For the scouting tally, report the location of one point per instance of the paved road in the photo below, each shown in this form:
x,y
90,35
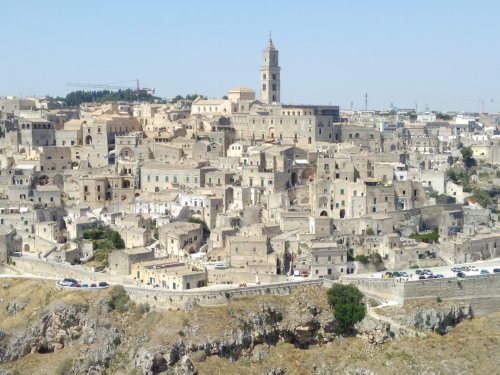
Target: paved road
x,y
442,270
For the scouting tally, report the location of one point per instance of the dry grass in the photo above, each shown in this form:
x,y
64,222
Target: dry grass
x,y
468,349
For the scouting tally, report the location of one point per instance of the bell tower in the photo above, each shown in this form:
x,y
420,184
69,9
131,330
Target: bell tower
x,y
270,74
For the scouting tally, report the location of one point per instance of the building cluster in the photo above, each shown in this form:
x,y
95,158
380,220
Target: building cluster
x,y
243,186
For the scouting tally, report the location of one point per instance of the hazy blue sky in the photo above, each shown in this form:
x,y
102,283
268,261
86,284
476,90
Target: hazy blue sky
x,y
443,53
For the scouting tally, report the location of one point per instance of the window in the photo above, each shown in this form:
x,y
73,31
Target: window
x,y
342,191
264,87
329,258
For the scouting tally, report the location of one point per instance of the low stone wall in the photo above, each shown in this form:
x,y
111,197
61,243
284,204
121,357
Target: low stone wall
x,y
481,291
42,268
452,288
162,298
158,297
235,276
380,289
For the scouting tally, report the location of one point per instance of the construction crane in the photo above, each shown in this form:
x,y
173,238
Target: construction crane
x,y
112,86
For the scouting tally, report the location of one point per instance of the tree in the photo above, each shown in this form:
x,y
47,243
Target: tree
x,y
467,153
346,315
340,294
370,231
346,301
426,237
482,197
195,220
444,117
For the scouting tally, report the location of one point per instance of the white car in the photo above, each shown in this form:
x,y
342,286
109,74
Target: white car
x,y
67,282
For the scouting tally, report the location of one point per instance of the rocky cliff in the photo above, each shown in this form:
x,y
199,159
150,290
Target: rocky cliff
x,y
83,332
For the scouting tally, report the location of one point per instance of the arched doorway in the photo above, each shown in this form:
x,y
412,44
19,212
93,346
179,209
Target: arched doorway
x,y
323,213
342,213
88,140
294,178
26,248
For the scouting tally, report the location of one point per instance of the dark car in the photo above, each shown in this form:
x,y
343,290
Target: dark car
x,y
396,274
419,272
439,276
93,285
103,284
496,270
460,274
76,285
422,277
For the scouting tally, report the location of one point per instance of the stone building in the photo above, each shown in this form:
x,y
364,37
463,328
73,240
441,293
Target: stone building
x,y
169,274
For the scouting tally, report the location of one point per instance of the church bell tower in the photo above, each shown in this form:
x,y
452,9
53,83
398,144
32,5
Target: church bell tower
x,y
270,75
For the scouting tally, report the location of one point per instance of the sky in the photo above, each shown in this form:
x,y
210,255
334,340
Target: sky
x,y
442,55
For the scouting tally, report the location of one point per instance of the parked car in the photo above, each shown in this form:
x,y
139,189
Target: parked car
x,y
396,274
67,282
460,274
85,285
439,276
404,274
427,272
496,270
93,285
455,269
473,268
419,272
422,277
484,272
77,285
103,284
388,275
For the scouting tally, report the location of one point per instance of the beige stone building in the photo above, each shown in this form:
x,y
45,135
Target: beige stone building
x,y
169,274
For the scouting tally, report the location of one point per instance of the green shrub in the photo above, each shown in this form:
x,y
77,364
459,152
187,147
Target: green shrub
x,y
362,259
346,315
119,299
117,341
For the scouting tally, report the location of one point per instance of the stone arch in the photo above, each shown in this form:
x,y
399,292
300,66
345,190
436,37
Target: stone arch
x,y
88,140
323,213
157,189
271,132
127,153
356,136
26,248
323,202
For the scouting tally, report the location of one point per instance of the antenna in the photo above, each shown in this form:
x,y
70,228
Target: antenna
x,y
352,104
366,102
